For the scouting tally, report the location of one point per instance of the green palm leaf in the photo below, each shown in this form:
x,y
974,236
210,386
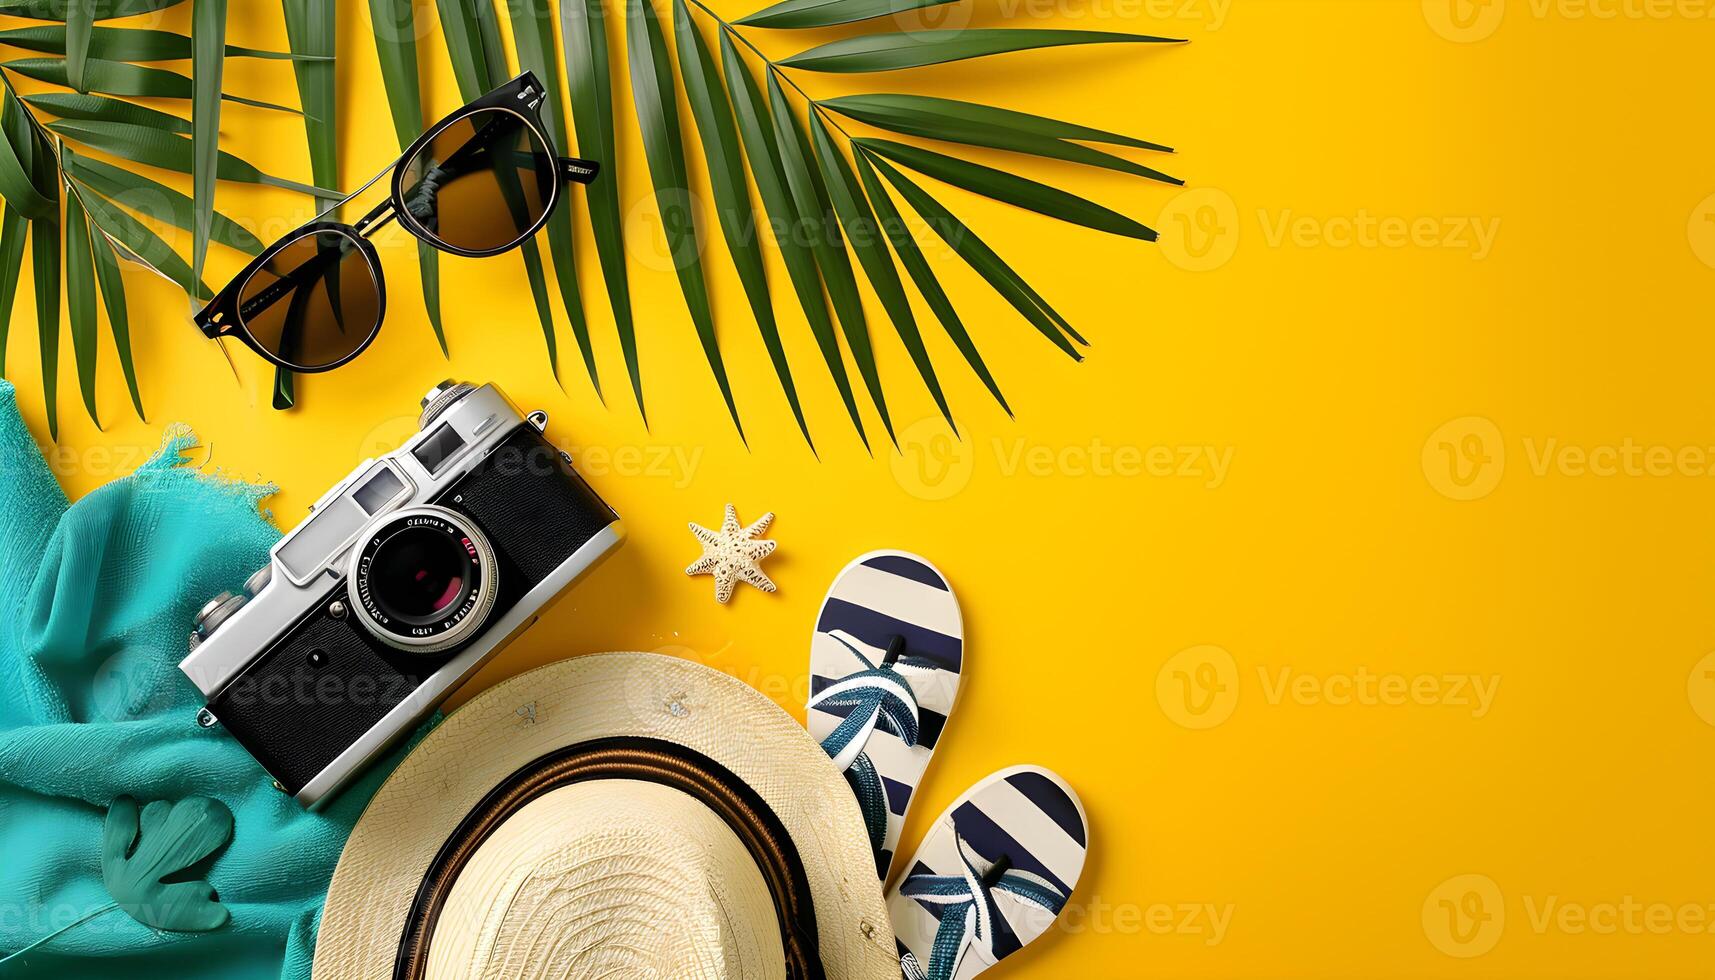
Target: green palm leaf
x,y
13,231
464,47
713,115
71,105
155,201
119,78
16,185
167,151
37,160
983,259
658,117
208,32
493,51
472,33
45,263
794,14
533,36
821,228
80,301
494,62
144,245
133,44
583,31
913,49
912,258
20,138
757,133
902,114
864,234
1011,188
394,26
104,9
393,22
80,23
310,30
113,295
925,111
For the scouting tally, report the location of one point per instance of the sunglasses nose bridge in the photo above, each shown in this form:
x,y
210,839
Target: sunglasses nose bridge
x,y
378,216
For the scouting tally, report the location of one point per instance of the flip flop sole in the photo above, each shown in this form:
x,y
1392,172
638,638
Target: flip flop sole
x,y
879,596
1027,817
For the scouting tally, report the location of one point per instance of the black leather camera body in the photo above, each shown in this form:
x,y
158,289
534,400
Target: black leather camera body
x,y
407,577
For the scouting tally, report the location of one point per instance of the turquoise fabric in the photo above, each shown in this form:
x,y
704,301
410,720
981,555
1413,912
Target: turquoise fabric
x,y
95,601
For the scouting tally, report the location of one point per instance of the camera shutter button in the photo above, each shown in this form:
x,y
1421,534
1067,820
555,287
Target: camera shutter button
x,y
257,582
440,398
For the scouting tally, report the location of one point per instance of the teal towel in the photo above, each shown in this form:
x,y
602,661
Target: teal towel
x,y
96,599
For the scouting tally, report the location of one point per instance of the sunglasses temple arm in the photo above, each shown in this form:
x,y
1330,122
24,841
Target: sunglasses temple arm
x,y
578,171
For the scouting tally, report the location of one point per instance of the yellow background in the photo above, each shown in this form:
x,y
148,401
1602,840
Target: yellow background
x,y
1363,384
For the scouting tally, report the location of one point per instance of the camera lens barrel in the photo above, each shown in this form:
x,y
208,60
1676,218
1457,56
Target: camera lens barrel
x,y
423,579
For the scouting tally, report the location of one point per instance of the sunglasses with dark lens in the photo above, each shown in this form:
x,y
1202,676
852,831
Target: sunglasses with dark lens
x,y
479,182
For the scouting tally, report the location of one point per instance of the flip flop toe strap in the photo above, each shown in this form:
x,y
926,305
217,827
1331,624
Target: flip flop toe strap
x,y
872,799
879,696
875,697
970,917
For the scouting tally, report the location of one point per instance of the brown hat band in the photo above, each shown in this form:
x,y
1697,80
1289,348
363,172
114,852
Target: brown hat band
x,y
648,760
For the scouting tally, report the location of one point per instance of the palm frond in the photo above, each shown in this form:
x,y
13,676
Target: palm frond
x,y
827,195
79,237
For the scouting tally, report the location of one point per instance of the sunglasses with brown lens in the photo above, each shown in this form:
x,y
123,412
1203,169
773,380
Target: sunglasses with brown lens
x,y
479,182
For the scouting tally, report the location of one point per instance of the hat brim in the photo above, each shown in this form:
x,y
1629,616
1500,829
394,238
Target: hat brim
x,y
505,729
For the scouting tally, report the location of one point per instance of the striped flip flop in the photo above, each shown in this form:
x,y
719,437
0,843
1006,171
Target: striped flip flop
x,y
993,873
884,675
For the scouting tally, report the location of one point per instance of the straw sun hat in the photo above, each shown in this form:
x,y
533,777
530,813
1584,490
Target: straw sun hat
x,y
617,815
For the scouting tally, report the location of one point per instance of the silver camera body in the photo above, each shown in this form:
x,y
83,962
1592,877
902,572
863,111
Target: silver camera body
x,y
407,576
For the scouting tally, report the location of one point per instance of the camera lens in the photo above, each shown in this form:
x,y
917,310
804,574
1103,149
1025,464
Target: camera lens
x,y
419,572
423,579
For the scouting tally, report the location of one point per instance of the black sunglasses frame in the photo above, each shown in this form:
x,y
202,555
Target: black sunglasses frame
x,y
522,97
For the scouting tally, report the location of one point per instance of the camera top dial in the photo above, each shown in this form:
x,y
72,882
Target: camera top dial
x,y
422,579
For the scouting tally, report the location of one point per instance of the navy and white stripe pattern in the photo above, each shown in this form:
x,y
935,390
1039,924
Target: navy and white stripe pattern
x,y
991,876
884,674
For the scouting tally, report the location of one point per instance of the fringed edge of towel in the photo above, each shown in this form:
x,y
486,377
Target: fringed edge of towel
x,y
172,461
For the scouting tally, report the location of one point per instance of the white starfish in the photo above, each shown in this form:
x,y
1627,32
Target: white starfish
x,y
732,553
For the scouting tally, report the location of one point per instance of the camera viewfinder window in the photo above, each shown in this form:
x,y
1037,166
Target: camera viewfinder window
x,y
377,492
440,446
307,550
